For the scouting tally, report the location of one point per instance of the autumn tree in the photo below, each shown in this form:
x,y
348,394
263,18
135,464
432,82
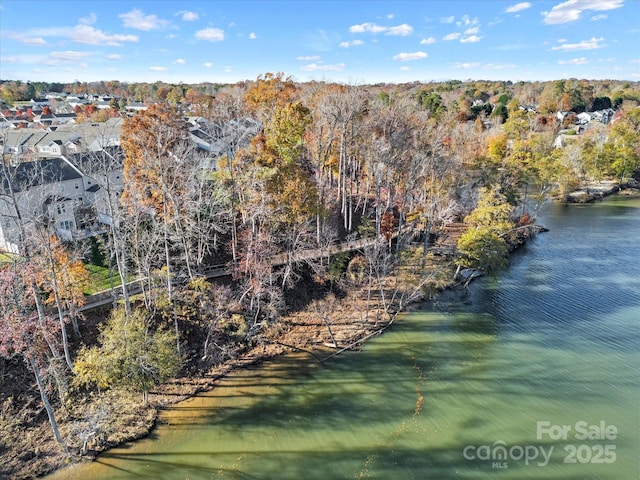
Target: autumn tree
x,y
341,111
623,147
152,171
268,92
484,245
131,354
230,127
23,333
61,279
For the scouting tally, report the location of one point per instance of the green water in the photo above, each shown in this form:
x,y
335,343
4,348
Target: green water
x,y
554,339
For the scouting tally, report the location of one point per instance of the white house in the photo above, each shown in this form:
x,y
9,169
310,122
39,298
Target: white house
x,y
584,118
48,192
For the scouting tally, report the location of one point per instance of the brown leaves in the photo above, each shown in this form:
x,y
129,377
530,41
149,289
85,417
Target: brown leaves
x,y
150,141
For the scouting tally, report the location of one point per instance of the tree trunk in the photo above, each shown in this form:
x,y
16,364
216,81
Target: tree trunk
x,y
41,316
120,255
45,401
170,283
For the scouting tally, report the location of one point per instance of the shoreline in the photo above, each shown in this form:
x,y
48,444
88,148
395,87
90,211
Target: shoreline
x,y
592,191
302,331
305,331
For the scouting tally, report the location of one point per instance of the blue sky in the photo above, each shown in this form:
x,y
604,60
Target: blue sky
x,y
355,42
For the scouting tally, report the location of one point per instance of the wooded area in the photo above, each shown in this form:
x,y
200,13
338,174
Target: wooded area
x,y
300,167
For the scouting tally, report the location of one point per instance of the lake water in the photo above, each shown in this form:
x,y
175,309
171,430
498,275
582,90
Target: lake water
x,y
532,361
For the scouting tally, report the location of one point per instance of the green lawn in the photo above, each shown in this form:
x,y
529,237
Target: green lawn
x,y
99,279
5,258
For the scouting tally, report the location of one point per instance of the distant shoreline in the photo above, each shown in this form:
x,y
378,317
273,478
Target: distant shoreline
x,y
592,191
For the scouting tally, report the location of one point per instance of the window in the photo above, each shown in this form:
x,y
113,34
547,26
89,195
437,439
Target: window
x,y
76,185
62,209
65,225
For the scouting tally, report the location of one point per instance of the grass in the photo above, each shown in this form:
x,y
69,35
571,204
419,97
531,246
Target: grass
x,y
98,276
99,279
4,258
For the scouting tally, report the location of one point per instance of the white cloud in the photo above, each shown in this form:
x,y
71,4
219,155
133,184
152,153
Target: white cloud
x,y
138,20
466,21
252,36
428,41
210,34
390,16
156,68
595,18
470,39
352,43
114,57
571,10
308,58
592,44
472,31
404,68
452,36
367,27
227,69
83,34
574,61
207,64
403,30
34,41
188,16
466,65
399,30
518,7
408,57
89,20
92,36
68,56
180,61
450,19
315,67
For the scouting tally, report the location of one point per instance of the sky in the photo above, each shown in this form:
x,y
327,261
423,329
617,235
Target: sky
x,y
352,42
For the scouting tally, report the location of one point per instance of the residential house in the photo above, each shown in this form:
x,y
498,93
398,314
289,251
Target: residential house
x,y
103,179
584,118
47,192
604,116
67,179
136,106
27,144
